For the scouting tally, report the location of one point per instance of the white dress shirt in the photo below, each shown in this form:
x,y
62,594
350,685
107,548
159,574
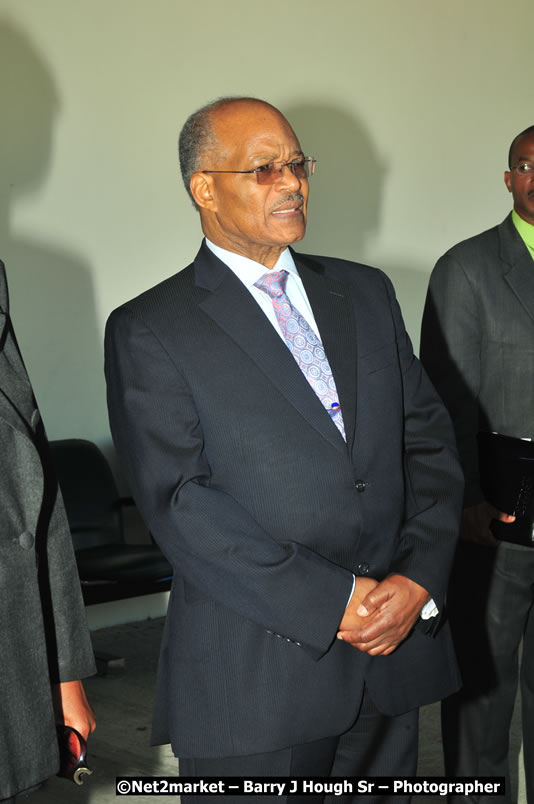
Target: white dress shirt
x,y
249,271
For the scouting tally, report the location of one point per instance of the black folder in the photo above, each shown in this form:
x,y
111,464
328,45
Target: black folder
x,y
506,467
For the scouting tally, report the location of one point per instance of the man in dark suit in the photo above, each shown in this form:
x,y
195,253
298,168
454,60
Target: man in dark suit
x,y
45,642
477,345
275,474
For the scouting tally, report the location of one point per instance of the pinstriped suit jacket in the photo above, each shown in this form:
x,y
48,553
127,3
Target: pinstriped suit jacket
x,y
477,340
264,511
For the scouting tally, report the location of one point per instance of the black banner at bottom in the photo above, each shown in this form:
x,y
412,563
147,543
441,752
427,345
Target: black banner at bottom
x,y
313,786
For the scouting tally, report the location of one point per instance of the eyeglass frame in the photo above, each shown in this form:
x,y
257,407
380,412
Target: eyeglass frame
x,y
292,164
527,172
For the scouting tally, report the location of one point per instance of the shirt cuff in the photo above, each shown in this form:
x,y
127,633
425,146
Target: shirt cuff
x,y
429,610
352,590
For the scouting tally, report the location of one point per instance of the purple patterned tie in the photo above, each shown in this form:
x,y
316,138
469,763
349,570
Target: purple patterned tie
x,y
304,344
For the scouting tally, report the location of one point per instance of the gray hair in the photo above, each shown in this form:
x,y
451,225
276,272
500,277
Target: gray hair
x,y
197,137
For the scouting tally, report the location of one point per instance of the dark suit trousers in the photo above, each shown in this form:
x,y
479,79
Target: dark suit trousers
x,y
376,745
491,610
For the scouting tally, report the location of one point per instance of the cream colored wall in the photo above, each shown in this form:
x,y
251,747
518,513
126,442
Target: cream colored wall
x,y
409,105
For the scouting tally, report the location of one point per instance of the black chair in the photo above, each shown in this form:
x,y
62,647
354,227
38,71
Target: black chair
x,y
109,567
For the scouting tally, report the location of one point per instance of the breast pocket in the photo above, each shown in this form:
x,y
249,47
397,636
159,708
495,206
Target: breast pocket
x,y
380,404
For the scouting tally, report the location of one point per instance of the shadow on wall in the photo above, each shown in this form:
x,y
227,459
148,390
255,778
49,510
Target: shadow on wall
x,y
346,200
51,290
346,191
410,282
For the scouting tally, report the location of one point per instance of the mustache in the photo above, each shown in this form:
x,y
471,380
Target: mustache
x,y
288,199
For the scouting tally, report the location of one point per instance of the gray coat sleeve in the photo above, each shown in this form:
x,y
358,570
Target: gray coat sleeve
x,y
450,352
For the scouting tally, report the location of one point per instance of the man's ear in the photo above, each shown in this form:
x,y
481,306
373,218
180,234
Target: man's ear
x,y
201,186
508,179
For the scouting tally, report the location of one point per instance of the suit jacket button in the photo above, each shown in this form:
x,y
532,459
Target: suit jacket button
x,y
26,540
360,485
363,568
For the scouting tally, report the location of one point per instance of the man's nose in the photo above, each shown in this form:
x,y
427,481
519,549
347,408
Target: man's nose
x,y
287,178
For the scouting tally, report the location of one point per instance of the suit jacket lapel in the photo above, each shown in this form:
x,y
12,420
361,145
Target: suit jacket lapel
x,y
520,275
3,329
232,307
4,298
4,305
332,309
12,416
9,352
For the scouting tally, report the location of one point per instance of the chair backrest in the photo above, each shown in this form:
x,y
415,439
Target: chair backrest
x,y
89,491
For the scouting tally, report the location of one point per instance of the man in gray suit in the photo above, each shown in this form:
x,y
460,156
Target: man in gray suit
x,y
282,442
44,638
477,345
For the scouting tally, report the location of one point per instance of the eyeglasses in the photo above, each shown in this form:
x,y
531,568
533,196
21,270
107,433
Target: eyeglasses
x,y
302,167
524,168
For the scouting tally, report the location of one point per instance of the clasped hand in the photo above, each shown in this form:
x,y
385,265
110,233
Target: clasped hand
x,y
381,614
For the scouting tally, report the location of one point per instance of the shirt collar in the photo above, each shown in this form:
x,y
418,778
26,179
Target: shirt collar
x,y
249,271
525,230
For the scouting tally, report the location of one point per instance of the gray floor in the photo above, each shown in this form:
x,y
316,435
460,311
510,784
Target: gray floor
x,y
123,703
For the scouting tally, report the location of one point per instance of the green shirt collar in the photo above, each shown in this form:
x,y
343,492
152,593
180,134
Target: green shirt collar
x,y
525,230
